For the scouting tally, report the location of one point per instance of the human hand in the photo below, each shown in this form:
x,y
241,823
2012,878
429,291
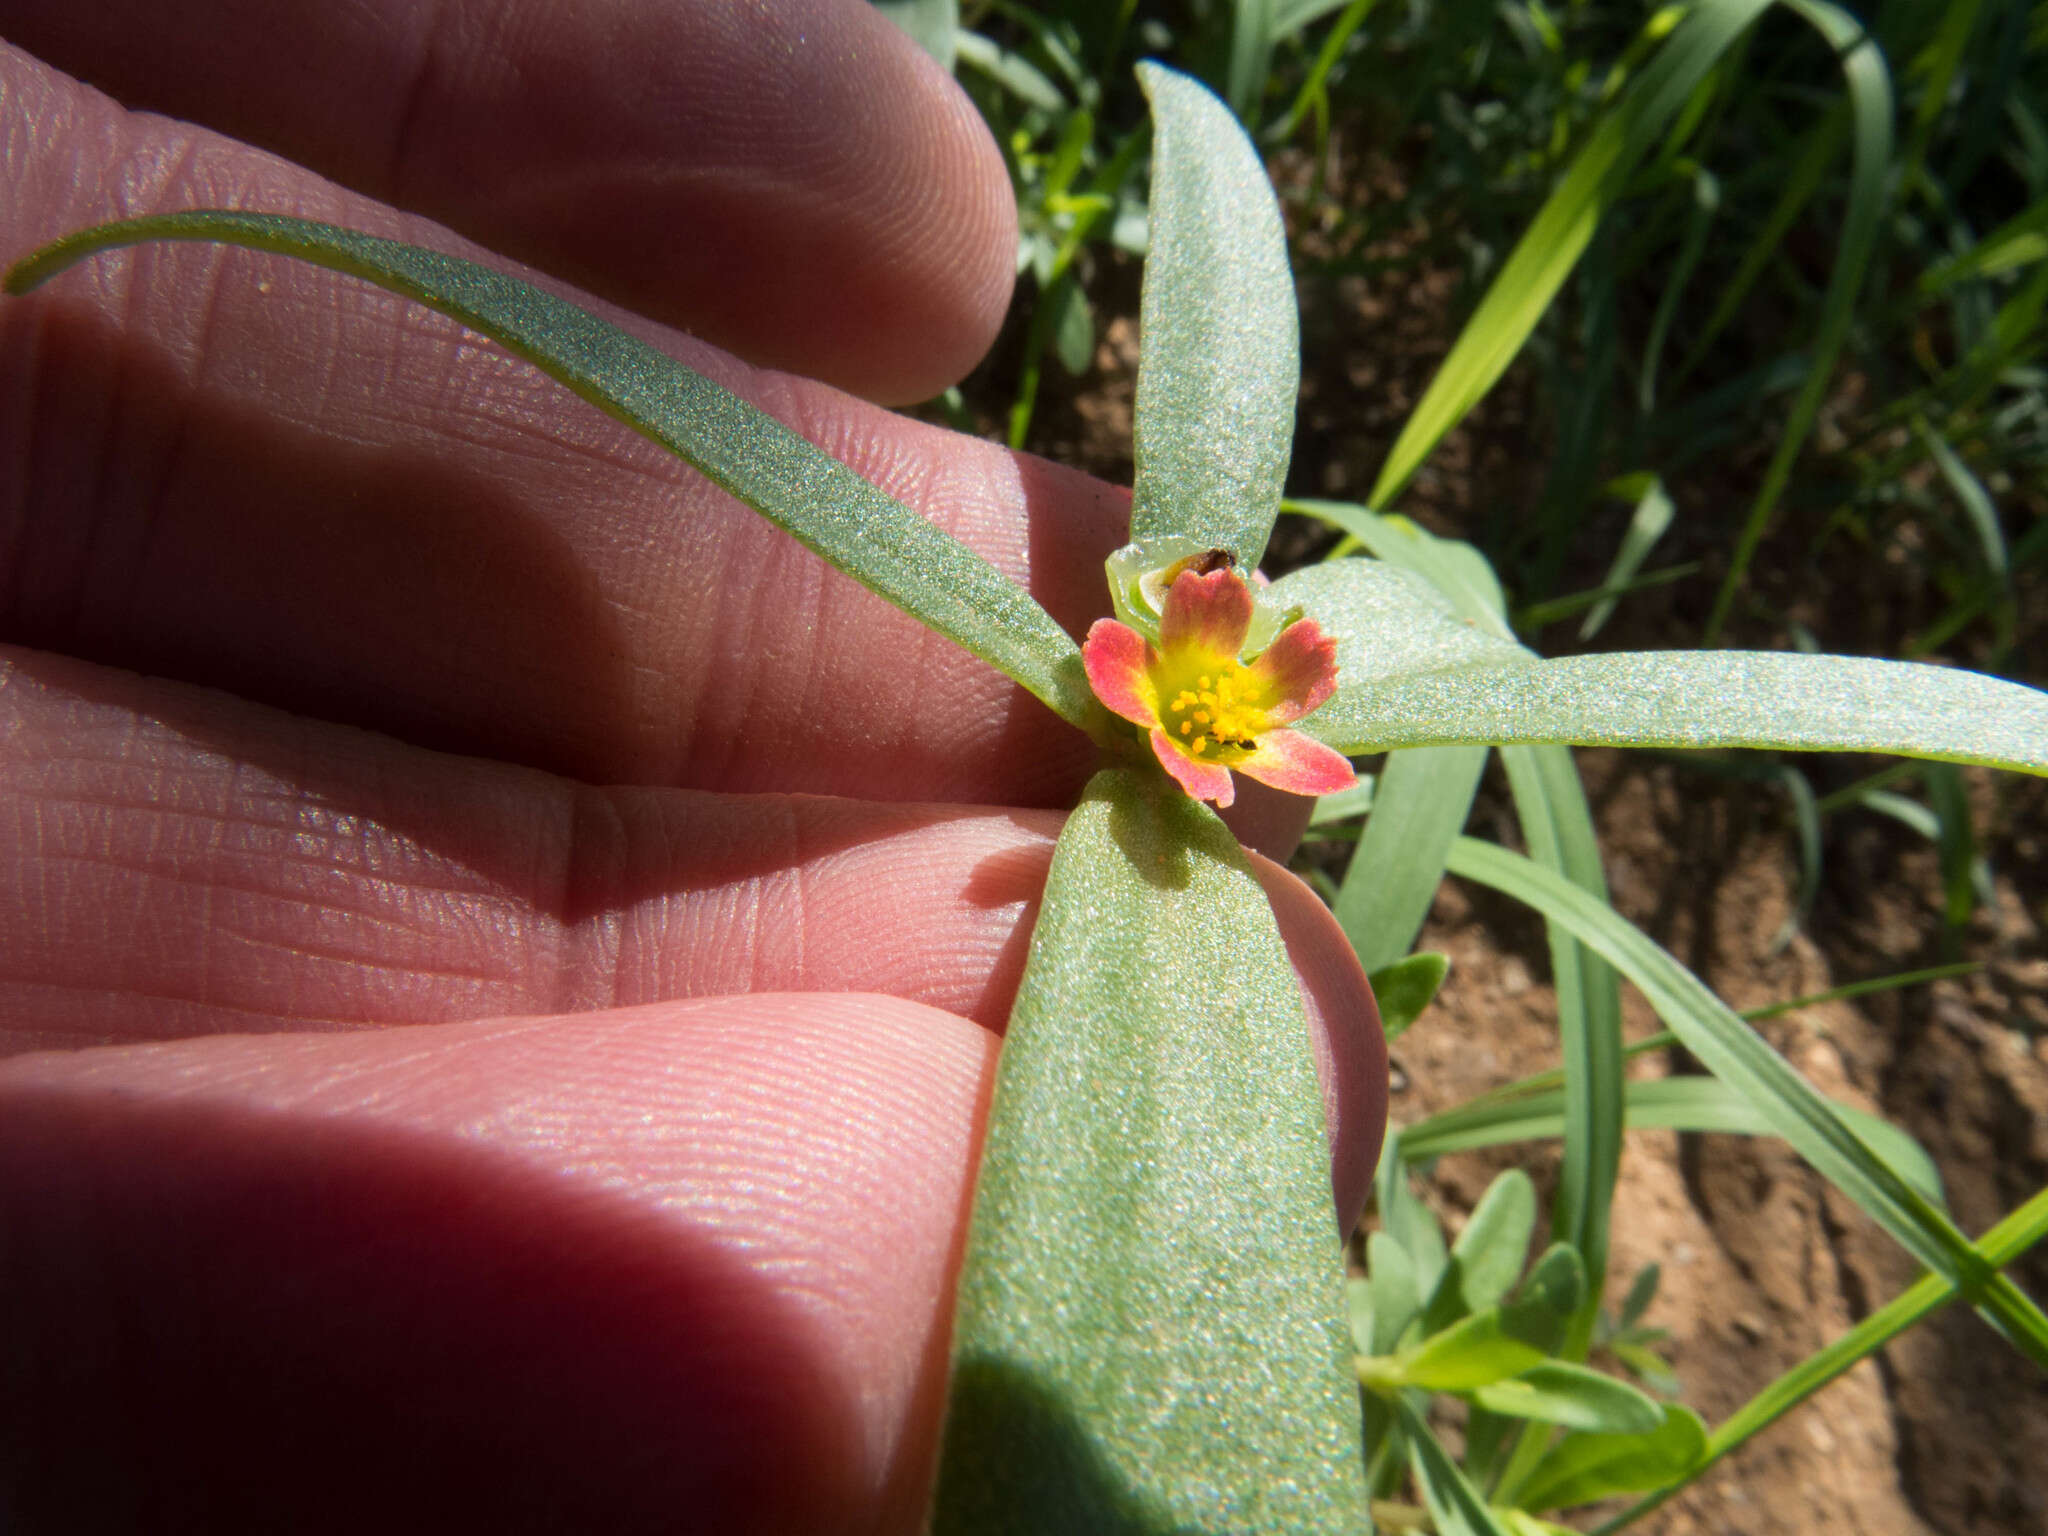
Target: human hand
x,y
657,1226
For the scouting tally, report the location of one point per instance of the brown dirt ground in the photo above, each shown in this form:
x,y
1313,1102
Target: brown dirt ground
x,y
1947,1429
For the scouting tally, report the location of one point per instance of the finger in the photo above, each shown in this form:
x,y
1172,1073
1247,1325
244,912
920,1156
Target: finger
x,y
794,182
242,471
676,1267
174,862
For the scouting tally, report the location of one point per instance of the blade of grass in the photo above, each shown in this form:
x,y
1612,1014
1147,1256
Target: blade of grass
x,y
1420,802
1646,525
1801,182
1557,825
1653,1104
1546,254
1870,108
1734,1052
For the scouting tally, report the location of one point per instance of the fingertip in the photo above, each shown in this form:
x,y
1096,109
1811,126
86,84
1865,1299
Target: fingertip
x,y
1344,1024
548,1274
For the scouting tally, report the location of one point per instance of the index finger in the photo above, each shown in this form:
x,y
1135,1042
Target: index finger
x,y
794,182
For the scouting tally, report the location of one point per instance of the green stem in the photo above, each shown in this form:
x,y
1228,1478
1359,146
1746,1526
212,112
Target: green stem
x,y
1998,1247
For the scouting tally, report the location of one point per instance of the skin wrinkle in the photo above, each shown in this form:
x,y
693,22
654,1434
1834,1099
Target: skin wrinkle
x,y
507,422
321,415
875,251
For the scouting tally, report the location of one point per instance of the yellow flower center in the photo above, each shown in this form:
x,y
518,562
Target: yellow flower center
x,y
1214,714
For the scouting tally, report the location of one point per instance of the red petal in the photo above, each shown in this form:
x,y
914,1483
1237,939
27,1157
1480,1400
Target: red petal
x,y
1115,655
1204,781
1297,671
1299,764
1207,613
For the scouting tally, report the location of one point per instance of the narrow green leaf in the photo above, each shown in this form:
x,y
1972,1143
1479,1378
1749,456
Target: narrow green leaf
x,y
1585,1467
1870,107
1735,1053
1689,699
1405,988
1546,254
1657,1104
1646,525
1421,800
1150,1329
2019,242
1396,1299
1453,568
1252,30
1558,827
819,501
1219,360
1998,1247
1558,1392
1454,1504
1798,182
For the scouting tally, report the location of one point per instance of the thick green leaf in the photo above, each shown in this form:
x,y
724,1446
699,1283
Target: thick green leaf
x,y
1407,1220
1549,1296
1421,800
1559,829
1405,988
1219,361
1503,1340
1688,699
1150,1332
932,24
1389,625
1012,71
1735,1053
827,507
1486,1259
1587,1467
1558,1392
1454,1504
1450,566
1395,1296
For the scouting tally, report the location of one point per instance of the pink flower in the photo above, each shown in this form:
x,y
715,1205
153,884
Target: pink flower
x,y
1206,710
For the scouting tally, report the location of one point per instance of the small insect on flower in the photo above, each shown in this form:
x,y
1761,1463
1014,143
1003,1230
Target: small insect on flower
x,y
1208,708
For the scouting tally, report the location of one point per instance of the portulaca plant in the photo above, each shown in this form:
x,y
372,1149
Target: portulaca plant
x,y
1151,1330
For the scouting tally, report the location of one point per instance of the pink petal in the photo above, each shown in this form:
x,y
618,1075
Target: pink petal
x,y
1206,613
1114,656
1299,764
1297,671
1204,781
